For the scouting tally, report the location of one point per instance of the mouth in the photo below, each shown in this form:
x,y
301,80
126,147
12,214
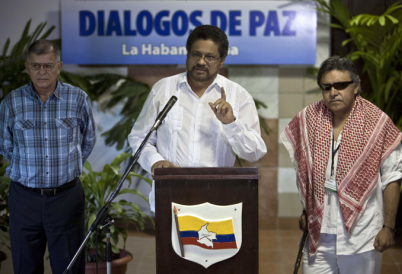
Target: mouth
x,y
198,69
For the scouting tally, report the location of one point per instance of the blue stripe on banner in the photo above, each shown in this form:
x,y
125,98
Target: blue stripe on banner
x,y
225,238
219,238
185,234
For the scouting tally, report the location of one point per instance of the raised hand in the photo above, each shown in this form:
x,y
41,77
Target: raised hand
x,y
222,109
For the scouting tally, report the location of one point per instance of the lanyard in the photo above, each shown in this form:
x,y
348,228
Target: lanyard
x,y
333,155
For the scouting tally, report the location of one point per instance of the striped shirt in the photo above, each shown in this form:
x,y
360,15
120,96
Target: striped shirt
x,y
47,143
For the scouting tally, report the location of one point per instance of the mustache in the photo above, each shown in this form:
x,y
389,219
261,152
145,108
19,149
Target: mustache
x,y
199,67
334,100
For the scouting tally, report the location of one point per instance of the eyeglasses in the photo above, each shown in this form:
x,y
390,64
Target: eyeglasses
x,y
47,66
195,56
337,86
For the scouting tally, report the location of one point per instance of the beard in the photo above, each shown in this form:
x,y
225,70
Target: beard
x,y
199,78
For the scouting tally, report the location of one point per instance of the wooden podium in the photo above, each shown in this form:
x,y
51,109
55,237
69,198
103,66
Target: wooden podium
x,y
219,186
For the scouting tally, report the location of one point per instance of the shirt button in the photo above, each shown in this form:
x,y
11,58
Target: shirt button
x,y
45,123
44,107
45,139
47,172
47,156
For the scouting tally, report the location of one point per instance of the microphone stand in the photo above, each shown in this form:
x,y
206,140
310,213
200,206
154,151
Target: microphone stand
x,y
104,209
300,253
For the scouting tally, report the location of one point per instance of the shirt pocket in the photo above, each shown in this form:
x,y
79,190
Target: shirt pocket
x,y
174,119
24,132
67,129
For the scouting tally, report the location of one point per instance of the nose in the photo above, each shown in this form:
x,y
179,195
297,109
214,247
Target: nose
x,y
42,69
334,92
201,61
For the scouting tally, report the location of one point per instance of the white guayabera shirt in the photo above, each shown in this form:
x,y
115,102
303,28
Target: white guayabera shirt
x,y
191,135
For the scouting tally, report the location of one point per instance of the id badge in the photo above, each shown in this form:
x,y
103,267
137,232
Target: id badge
x,y
330,185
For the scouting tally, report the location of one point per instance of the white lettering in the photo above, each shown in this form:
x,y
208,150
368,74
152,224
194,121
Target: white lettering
x,y
173,50
133,50
182,51
123,50
164,49
234,50
146,49
156,51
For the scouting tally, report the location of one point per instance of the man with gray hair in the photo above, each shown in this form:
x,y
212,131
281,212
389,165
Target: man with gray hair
x,y
47,132
348,160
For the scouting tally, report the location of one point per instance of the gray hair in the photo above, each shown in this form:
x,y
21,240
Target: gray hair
x,y
43,46
342,64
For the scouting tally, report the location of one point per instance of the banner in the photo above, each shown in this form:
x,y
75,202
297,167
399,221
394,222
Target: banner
x,y
155,32
207,233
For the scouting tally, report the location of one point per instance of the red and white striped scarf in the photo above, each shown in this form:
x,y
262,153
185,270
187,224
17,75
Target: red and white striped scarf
x,y
368,137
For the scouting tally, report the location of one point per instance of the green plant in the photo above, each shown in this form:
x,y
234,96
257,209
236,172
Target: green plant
x,y
4,211
98,187
377,41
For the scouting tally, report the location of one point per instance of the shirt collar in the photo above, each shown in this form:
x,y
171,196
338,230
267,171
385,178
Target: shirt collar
x,y
57,91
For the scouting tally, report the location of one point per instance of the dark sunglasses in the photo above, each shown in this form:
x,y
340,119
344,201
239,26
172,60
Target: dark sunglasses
x,y
337,85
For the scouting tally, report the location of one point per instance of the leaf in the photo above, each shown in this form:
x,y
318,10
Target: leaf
x,y
91,219
381,20
115,249
88,167
120,158
393,19
3,168
133,191
47,33
337,26
346,41
5,49
388,87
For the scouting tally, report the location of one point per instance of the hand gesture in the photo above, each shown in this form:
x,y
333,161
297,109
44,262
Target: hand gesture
x,y
222,109
161,164
384,240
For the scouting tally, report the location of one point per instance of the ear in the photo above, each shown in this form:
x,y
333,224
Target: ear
x,y
59,67
357,88
221,63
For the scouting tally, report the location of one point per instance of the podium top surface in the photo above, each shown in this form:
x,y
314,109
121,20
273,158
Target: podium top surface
x,y
207,173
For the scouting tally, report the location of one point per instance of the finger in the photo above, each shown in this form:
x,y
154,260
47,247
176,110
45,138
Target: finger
x,y
217,103
380,248
172,165
221,107
212,107
376,244
223,94
226,108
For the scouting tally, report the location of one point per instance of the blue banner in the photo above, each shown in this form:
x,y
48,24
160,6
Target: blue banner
x,y
155,32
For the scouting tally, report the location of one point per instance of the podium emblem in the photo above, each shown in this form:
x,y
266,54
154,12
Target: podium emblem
x,y
206,234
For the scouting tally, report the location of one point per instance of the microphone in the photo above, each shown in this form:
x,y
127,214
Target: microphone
x,y
164,112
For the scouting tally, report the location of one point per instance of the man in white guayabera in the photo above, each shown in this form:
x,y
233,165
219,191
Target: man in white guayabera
x,y
213,120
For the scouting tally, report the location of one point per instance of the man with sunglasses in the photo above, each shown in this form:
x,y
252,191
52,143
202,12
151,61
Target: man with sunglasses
x,y
213,120
349,166
47,132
